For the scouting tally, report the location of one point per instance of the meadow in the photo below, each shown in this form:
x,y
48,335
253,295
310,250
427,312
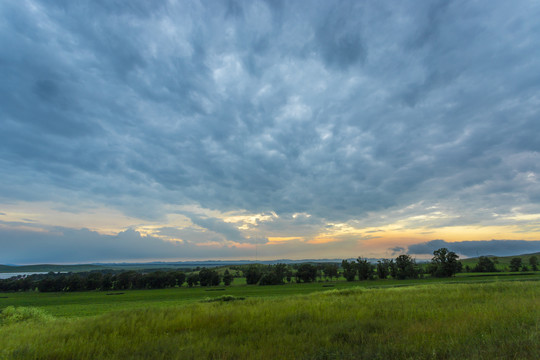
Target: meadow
x,y
90,303
466,317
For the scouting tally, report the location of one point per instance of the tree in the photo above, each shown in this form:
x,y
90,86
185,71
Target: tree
x,y
75,283
227,278
127,280
280,270
533,261
406,267
94,280
349,270
155,280
330,270
383,268
209,277
180,278
365,269
444,263
485,265
306,273
106,282
46,285
393,269
515,264
288,275
192,279
271,278
253,274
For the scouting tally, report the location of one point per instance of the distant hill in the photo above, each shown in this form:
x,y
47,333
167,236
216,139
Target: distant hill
x,y
49,267
157,265
502,262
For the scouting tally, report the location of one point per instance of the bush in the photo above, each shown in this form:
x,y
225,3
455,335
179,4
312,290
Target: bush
x,y
12,314
223,298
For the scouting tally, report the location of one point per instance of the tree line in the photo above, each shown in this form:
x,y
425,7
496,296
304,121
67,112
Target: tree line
x,y
444,263
105,281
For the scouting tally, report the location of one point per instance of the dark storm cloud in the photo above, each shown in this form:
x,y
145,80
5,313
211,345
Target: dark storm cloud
x,y
334,109
339,36
478,248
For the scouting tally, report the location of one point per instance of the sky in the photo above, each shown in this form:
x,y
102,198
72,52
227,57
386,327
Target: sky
x,y
190,130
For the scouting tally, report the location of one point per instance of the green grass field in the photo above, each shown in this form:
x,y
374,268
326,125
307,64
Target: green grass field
x,y
438,320
466,317
502,263
77,304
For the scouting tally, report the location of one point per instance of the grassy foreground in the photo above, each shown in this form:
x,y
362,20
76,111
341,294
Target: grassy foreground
x,y
91,303
499,320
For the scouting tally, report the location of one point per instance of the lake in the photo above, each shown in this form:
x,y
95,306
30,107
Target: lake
x,y
8,275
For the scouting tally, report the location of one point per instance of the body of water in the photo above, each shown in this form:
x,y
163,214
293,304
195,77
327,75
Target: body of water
x,y
8,275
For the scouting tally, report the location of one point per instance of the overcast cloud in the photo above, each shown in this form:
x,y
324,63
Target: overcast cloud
x,y
336,109
478,248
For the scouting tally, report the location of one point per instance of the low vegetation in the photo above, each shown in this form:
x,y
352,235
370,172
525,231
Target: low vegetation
x,y
395,309
497,320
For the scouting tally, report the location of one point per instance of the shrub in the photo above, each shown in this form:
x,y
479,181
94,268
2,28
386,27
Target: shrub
x,y
223,298
12,314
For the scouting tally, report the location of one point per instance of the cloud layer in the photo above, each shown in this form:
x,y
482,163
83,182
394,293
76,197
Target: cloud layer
x,y
478,248
337,110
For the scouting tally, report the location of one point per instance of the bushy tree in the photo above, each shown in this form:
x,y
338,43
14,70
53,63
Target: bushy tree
x,y
192,279
306,273
270,278
533,261
155,280
94,280
227,278
365,269
253,274
129,280
393,269
280,271
485,264
288,275
406,267
76,283
209,277
444,263
330,270
180,278
383,268
349,270
515,264
107,282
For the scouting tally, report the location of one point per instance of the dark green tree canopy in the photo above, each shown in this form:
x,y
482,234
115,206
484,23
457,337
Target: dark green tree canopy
x,y
444,263
515,264
533,261
485,264
306,273
349,270
406,267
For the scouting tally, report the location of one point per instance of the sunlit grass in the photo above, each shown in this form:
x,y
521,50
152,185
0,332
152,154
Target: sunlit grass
x,y
90,303
458,321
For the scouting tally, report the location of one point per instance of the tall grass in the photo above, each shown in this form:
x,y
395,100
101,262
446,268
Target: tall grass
x,y
440,321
